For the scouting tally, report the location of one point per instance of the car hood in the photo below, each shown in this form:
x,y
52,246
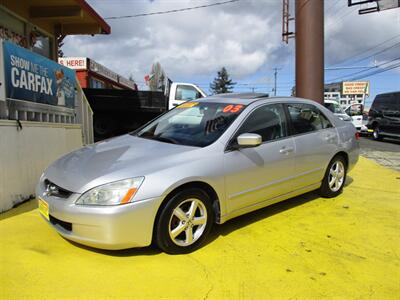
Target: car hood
x,y
115,159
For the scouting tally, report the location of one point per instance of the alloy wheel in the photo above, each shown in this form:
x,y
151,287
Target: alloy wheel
x,y
188,222
336,176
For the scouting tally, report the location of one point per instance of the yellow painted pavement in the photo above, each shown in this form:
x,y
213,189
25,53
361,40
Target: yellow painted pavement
x,y
303,248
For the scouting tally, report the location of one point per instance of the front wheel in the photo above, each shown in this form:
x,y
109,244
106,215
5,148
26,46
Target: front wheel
x,y
184,222
334,179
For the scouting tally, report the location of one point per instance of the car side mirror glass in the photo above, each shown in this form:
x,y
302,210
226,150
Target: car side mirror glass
x,y
247,140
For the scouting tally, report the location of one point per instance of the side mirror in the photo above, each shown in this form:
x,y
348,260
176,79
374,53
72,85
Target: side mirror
x,y
247,140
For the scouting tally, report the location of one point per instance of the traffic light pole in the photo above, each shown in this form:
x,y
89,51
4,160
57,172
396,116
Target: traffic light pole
x,y
310,49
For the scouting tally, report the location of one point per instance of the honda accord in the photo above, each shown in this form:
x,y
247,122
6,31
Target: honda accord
x,y
203,162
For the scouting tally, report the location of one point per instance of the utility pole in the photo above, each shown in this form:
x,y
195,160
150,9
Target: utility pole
x,y
275,74
310,49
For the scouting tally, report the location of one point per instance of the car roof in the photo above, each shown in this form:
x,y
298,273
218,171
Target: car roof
x,y
249,98
388,93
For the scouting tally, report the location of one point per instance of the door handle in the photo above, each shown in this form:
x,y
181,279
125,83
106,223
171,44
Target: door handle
x,y
286,150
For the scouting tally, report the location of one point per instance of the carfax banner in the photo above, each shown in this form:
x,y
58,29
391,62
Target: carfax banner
x,y
35,78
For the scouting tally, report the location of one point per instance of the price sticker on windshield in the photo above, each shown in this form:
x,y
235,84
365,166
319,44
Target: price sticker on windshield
x,y
231,108
188,104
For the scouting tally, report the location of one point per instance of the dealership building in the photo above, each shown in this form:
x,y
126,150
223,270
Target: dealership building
x,y
92,74
43,111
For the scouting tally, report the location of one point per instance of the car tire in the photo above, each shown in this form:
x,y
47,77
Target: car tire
x,y
335,177
376,134
180,228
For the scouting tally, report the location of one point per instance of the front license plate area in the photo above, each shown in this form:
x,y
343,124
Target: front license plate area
x,y
44,209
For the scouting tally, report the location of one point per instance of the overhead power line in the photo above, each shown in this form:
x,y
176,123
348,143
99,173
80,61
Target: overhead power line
x,y
348,76
339,18
379,52
171,11
377,72
368,50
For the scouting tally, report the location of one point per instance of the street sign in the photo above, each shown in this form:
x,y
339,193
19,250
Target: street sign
x,y
370,6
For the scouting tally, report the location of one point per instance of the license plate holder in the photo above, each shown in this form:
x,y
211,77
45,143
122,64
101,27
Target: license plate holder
x,y
44,209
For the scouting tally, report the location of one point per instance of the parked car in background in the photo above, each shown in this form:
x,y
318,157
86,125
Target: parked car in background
x,y
384,116
204,162
358,117
117,112
337,110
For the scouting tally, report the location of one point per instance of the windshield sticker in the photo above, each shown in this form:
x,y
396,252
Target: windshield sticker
x,y
232,108
188,104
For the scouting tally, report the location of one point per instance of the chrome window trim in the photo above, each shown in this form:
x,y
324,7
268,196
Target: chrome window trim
x,y
308,132
226,150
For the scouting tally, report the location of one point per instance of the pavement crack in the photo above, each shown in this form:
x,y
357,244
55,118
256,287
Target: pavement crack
x,y
207,275
208,292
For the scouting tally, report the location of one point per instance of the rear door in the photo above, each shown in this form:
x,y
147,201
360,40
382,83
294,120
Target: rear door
x,y
254,175
315,141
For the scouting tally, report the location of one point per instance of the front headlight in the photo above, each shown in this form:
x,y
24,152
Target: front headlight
x,y
114,193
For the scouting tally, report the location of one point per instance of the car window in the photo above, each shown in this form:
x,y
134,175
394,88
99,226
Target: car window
x,y
307,118
396,96
381,102
192,123
269,121
334,107
186,93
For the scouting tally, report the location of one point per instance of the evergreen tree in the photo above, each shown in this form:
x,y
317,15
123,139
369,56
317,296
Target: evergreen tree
x,y
222,83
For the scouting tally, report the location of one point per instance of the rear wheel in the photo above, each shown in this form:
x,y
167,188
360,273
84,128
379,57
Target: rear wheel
x,y
376,134
335,177
184,222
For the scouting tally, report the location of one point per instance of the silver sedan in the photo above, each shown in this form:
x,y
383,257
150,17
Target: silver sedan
x,y
204,162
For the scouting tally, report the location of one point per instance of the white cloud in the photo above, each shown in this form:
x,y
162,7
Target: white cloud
x,y
245,37
240,36
347,33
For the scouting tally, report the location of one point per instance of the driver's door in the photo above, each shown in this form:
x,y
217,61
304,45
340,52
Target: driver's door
x,y
254,175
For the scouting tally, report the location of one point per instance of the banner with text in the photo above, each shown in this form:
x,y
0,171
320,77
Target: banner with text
x,y
355,87
35,78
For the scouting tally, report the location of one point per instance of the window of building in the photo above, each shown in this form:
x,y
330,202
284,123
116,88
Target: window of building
x,y
12,29
41,44
96,84
25,34
307,118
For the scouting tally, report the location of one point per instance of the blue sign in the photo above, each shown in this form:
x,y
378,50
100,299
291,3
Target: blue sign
x,y
33,77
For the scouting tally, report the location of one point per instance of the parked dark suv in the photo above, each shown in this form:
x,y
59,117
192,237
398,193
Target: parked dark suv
x,y
384,116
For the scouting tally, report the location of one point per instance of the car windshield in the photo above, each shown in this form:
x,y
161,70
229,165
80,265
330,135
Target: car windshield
x,y
334,107
192,123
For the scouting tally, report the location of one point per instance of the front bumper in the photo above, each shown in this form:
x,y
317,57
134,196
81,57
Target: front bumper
x,y
105,227
362,129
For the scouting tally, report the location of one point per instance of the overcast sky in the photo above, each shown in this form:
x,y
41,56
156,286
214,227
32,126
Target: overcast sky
x,y
244,36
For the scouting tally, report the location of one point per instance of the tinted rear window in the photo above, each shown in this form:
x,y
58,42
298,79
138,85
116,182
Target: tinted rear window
x,y
387,102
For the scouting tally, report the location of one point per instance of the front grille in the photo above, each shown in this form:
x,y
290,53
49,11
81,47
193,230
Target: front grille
x,y
65,225
53,189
